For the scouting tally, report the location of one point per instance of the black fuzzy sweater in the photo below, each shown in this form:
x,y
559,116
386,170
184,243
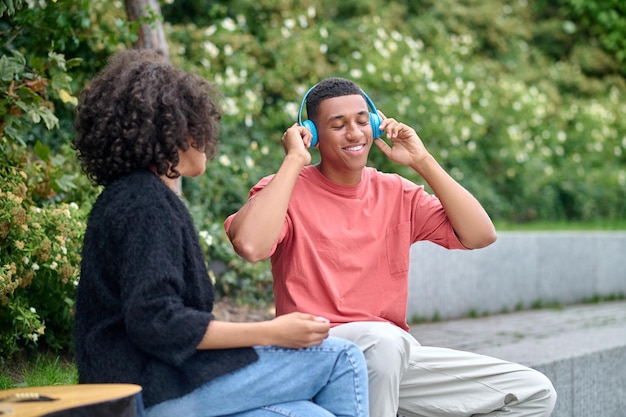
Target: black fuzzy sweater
x,y
144,299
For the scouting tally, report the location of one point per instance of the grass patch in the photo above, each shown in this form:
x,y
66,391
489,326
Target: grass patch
x,y
600,225
38,369
536,305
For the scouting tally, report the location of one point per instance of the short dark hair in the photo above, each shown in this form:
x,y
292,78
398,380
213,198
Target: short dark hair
x,y
138,112
328,88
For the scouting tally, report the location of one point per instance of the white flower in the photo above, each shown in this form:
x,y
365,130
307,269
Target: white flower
x,y
54,265
292,110
356,73
206,236
210,30
229,24
35,266
211,49
32,310
224,160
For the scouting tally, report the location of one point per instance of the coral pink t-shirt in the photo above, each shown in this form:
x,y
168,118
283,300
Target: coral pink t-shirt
x,y
343,251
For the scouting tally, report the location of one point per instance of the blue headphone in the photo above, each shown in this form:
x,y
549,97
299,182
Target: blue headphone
x,y
375,119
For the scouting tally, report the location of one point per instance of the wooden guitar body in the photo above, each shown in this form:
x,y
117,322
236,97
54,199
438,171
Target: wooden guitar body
x,y
83,400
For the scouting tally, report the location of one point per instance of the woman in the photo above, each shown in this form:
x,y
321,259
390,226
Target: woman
x,y
144,302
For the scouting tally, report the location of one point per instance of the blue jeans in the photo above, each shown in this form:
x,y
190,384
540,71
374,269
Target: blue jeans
x,y
326,380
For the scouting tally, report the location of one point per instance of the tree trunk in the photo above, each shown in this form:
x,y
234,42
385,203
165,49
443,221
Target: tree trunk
x,y
150,35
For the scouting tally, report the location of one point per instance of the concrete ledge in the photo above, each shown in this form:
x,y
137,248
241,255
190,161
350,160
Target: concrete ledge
x,y
519,270
581,348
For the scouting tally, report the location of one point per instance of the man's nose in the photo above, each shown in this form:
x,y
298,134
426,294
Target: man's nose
x,y
353,131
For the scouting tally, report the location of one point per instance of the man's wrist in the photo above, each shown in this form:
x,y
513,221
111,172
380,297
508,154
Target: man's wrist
x,y
425,164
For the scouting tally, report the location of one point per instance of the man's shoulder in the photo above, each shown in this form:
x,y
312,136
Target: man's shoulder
x,y
373,174
262,183
305,172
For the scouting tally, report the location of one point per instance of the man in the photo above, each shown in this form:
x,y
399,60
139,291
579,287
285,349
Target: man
x,y
339,237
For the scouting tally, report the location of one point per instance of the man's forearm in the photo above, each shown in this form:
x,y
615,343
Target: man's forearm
x,y
256,226
467,216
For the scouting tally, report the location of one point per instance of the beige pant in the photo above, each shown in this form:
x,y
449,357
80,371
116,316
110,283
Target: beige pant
x,y
422,381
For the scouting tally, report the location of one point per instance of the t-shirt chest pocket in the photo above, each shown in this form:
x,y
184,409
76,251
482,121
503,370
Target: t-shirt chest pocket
x,y
398,242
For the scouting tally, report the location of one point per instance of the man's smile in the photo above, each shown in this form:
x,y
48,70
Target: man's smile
x,y
354,148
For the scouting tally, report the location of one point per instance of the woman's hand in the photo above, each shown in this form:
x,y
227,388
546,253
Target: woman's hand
x,y
294,330
298,330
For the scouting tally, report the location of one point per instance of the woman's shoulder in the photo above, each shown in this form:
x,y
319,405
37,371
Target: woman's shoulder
x,y
139,191
137,186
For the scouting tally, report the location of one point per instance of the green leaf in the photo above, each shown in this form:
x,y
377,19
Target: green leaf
x,y
60,81
13,134
65,183
9,68
58,59
49,118
42,151
34,115
73,62
57,160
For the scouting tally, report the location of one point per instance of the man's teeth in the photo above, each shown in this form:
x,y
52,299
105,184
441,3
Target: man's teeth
x,y
354,148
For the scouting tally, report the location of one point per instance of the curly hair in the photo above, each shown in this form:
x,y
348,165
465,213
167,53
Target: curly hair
x,y
138,112
328,88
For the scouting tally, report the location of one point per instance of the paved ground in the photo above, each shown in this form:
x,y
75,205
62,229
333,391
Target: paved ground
x,y
581,348
528,328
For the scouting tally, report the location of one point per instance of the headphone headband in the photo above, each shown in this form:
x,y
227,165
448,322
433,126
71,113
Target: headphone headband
x,y
303,102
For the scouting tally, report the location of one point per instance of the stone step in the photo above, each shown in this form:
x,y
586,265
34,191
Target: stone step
x,y
581,348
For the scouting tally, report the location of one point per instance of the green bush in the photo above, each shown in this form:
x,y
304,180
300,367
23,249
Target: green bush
x,y
604,20
40,246
41,224
516,122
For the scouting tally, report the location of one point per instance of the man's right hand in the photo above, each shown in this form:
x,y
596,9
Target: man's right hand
x,y
296,140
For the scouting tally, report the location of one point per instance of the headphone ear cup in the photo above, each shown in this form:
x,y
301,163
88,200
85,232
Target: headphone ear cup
x,y
310,126
375,121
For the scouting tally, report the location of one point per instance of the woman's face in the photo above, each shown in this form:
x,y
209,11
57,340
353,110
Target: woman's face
x,y
191,162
